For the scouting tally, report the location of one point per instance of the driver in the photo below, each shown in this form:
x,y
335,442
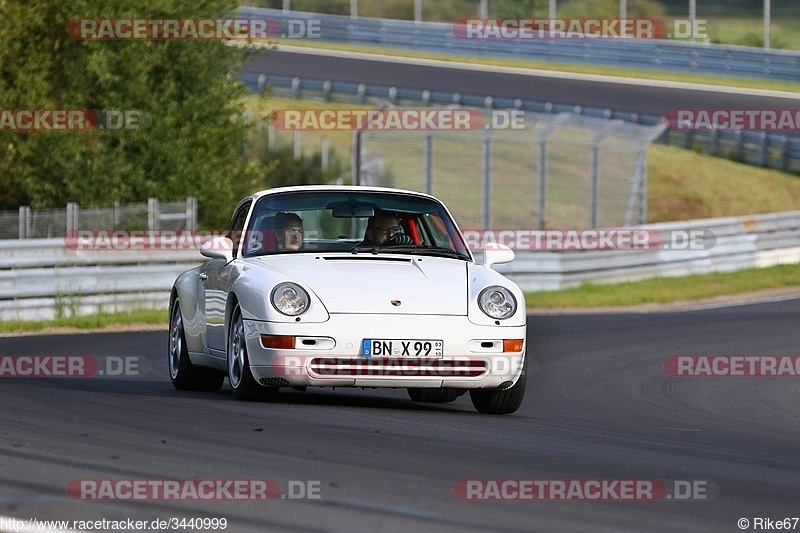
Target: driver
x,y
384,229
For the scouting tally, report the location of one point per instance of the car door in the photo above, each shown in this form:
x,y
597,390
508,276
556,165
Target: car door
x,y
217,273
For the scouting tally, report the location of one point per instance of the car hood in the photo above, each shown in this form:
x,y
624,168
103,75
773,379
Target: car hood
x,y
396,284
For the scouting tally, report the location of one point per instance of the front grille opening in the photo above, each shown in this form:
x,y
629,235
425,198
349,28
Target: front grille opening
x,y
274,382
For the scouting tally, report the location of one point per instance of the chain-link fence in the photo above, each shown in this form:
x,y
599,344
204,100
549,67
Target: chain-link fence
x,y
27,223
559,171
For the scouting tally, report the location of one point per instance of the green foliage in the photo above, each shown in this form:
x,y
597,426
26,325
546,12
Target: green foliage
x,y
193,144
610,8
282,169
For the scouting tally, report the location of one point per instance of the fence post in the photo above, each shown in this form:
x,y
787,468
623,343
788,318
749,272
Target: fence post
x,y
296,144
24,222
357,157
428,162
762,152
486,175
325,154
271,138
152,214
191,213
116,215
595,162
72,217
542,181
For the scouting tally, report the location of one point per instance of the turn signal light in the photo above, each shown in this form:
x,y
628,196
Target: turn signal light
x,y
512,345
281,342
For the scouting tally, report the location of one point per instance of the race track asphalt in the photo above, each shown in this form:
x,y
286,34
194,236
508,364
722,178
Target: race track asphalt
x,y
599,405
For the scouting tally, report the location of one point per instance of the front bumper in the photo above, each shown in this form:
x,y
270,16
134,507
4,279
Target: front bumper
x,y
472,356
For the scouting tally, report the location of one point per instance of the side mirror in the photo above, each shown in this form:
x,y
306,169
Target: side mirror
x,y
218,248
496,254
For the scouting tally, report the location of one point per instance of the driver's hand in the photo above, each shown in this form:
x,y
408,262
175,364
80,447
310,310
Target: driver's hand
x,y
399,239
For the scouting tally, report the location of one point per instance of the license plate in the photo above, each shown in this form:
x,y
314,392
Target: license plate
x,y
403,348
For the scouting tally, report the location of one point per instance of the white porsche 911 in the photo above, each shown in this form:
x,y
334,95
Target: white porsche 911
x,y
335,286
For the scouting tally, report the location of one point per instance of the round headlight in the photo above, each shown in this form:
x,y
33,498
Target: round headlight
x,y
290,299
497,302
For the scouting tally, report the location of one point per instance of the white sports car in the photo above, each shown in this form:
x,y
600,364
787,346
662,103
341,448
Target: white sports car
x,y
335,286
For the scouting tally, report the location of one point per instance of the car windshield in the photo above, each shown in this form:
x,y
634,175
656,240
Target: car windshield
x,y
355,222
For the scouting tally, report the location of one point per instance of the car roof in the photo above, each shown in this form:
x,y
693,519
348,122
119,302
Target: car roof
x,y
338,188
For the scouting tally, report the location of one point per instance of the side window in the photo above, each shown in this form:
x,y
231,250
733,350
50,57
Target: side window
x,y
237,227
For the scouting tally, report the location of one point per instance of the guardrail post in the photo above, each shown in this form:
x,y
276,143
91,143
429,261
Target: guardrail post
x,y
762,152
713,147
153,221
428,162
739,147
262,83
296,145
785,154
72,217
24,222
191,213
360,93
295,88
326,90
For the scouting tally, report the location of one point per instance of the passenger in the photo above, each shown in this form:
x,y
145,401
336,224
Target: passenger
x,y
289,230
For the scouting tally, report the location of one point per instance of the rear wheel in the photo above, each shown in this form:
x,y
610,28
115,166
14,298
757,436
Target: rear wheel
x,y
433,395
244,385
501,402
183,374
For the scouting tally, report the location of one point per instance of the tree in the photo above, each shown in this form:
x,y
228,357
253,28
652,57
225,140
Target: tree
x,y
192,144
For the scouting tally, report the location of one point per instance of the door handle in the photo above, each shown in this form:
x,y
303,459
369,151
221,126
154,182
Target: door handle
x,y
203,276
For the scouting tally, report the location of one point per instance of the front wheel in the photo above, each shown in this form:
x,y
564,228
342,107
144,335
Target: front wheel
x,y
501,402
244,385
183,374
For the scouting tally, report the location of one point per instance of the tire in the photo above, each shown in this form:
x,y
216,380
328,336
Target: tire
x,y
183,374
242,382
433,395
501,402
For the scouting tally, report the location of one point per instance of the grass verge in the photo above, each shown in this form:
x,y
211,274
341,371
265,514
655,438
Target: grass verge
x,y
129,320
656,290
665,290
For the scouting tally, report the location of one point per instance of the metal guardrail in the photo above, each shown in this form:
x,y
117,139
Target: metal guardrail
x,y
657,54
43,278
763,149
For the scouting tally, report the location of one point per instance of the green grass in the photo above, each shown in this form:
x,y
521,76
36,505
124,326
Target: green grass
x,y
749,31
664,290
88,322
560,67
